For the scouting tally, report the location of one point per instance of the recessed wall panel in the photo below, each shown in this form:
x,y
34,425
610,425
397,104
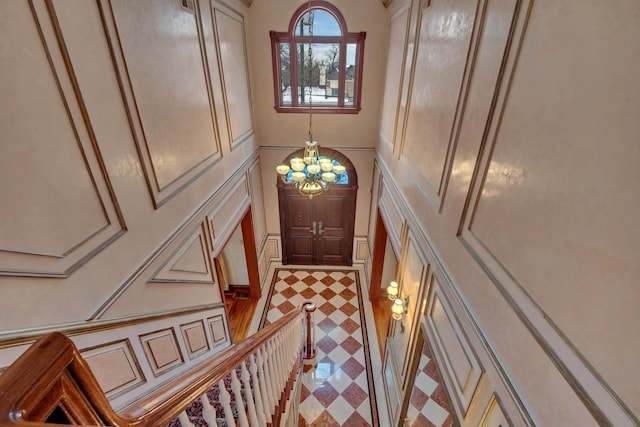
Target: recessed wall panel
x,y
442,47
59,211
449,341
235,72
397,37
115,367
165,80
162,350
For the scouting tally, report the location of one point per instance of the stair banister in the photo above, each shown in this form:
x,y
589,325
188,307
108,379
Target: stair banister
x,y
52,375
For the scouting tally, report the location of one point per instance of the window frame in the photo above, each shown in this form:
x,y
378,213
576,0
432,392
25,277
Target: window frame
x,y
289,37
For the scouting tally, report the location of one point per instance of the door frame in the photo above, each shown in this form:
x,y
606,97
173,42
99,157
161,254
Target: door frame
x,y
250,254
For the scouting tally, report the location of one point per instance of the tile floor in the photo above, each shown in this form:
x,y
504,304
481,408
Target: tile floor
x,y
339,390
333,401
428,405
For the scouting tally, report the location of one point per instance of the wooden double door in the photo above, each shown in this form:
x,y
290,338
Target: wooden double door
x,y
317,231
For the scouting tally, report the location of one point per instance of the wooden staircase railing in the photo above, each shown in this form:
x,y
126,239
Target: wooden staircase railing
x,y
51,384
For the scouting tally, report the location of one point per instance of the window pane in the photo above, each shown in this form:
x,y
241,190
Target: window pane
x,y
324,24
350,74
302,66
285,73
323,87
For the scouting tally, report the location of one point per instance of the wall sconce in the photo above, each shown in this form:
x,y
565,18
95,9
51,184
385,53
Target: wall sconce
x,y
399,309
392,291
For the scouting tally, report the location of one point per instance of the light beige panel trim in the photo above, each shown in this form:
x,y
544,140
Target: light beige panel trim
x,y
391,376
412,279
494,415
273,248
399,32
220,196
487,347
227,213
162,350
218,329
189,263
361,249
433,183
392,215
604,404
115,367
195,338
161,187
254,178
450,343
234,75
376,192
34,249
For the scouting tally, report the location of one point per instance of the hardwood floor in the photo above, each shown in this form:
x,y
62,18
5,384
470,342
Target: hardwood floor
x,y
382,316
241,310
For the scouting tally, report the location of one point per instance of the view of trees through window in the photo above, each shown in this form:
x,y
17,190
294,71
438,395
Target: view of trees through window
x,y
332,71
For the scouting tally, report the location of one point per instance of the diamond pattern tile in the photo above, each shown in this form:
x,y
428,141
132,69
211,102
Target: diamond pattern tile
x,y
429,404
338,390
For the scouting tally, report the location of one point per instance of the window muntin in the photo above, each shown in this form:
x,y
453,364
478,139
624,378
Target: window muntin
x,y
336,64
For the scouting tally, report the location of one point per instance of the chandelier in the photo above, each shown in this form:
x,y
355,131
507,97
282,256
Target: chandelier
x,y
311,174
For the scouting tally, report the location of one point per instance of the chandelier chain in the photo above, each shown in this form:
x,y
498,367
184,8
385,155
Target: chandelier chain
x,y
310,65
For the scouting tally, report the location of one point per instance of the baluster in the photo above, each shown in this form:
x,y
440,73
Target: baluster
x,y
264,389
257,390
208,411
184,419
269,369
251,405
278,364
225,400
235,386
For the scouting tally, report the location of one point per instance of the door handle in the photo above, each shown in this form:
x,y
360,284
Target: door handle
x,y
320,229
313,228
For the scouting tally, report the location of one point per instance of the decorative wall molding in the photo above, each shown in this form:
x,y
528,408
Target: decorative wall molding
x,y
494,415
227,213
219,330
156,140
599,398
225,223
392,213
360,249
449,287
273,248
190,263
72,213
115,366
195,338
392,106
446,88
449,340
162,350
234,71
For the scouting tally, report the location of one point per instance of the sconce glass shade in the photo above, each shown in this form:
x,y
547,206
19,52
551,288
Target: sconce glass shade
x,y
397,309
392,291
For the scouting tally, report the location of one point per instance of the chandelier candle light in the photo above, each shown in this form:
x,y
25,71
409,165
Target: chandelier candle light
x,y
312,173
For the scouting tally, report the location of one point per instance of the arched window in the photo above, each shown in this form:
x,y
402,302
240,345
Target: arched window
x,y
335,69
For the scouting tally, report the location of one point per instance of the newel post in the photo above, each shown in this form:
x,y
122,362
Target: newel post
x,y
309,351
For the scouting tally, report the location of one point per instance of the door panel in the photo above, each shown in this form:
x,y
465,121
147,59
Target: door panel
x,y
318,230
333,228
299,212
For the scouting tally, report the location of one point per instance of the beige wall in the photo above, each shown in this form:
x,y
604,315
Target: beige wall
x,y
508,152
279,134
127,158
506,174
